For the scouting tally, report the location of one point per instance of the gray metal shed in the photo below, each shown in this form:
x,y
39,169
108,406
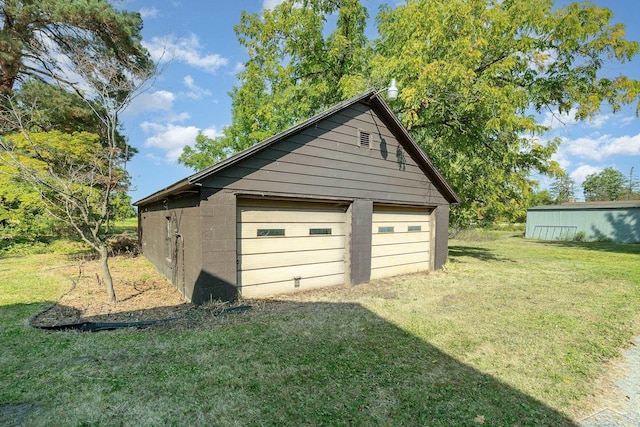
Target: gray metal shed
x,y
344,197
615,221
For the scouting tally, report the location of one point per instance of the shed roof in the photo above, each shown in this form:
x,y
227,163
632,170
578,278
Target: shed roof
x,y
625,204
371,97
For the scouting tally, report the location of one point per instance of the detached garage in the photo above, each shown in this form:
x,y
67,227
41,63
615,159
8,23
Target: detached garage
x,y
344,197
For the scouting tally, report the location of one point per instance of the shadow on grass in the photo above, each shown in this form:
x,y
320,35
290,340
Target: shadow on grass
x,y
284,363
482,254
623,248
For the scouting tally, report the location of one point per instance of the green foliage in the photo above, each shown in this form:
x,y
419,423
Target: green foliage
x,y
64,175
36,96
294,71
76,172
563,188
539,198
470,73
47,107
610,184
120,206
76,29
580,236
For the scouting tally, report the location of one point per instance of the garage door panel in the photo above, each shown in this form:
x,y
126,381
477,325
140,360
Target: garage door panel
x,y
279,244
398,238
306,247
401,227
283,259
399,216
403,250
263,215
253,291
277,274
401,259
406,248
293,229
379,273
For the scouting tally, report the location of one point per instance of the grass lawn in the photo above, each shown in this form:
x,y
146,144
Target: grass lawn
x,y
514,332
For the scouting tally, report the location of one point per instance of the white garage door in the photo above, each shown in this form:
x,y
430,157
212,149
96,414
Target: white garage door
x,y
289,246
400,242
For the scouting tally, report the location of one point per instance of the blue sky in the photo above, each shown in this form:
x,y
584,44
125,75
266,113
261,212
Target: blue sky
x,y
201,56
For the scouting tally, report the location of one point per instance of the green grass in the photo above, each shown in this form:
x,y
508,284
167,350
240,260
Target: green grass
x,y
514,331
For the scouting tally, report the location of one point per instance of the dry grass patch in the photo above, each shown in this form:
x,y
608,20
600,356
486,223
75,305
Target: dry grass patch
x,y
142,293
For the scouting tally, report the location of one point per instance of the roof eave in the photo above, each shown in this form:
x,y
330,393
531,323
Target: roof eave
x,y
177,187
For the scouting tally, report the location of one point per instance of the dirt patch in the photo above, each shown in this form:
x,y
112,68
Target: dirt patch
x,y
142,294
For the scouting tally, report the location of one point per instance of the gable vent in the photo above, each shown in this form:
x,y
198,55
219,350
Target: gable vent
x,y
364,139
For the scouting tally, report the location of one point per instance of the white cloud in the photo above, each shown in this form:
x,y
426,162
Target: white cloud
x,y
185,49
560,157
148,12
148,127
601,146
196,92
271,4
582,171
625,146
625,120
238,68
556,120
160,100
171,139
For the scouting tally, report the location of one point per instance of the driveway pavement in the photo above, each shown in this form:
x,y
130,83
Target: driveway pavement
x,y
622,407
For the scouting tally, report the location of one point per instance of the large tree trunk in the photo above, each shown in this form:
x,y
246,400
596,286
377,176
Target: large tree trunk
x,y
108,281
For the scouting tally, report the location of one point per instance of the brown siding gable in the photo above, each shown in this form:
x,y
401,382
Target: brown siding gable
x,y
371,98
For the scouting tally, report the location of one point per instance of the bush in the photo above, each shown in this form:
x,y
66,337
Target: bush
x,y
580,236
123,244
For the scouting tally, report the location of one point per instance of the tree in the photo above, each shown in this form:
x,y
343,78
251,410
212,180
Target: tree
x,y
36,34
293,72
47,107
563,188
471,76
608,185
633,186
100,60
540,198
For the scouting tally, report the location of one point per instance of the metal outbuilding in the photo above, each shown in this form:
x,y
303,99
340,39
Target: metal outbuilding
x,y
615,221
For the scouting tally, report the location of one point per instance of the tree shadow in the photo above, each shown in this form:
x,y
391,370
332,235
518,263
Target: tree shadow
x,y
314,362
317,363
622,248
624,226
482,254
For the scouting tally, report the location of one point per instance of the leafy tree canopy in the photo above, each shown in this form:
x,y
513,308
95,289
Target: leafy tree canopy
x,y
472,74
563,188
294,71
35,36
42,46
67,70
608,185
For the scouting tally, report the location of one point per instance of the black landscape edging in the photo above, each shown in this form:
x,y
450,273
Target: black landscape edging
x,y
109,326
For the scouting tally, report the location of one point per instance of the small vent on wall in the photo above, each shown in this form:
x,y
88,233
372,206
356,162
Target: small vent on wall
x,y
364,139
